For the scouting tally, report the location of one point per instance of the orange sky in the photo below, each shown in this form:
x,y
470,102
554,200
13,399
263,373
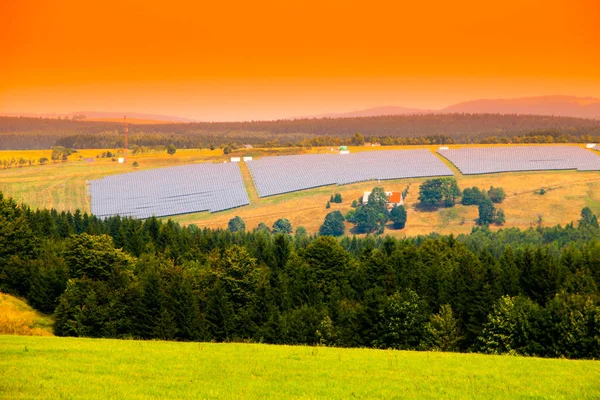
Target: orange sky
x,y
269,59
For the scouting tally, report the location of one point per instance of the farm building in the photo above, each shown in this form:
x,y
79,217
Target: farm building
x,y
236,159
394,198
247,159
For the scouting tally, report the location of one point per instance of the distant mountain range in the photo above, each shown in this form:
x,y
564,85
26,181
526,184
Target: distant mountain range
x,y
563,106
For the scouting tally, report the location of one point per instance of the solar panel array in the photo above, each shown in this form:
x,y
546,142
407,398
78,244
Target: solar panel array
x,y
284,174
485,160
170,191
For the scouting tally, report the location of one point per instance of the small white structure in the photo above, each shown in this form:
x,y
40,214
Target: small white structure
x,y
590,145
366,197
344,151
235,159
443,148
121,160
247,159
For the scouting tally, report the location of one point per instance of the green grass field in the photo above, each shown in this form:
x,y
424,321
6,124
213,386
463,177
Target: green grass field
x,y
63,187
69,368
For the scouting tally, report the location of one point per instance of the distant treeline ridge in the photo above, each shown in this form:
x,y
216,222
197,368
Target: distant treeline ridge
x,y
40,133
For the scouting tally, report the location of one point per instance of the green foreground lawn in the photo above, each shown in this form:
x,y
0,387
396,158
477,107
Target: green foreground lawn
x,y
65,368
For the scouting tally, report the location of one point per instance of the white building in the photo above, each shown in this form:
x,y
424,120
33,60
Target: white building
x,y
394,198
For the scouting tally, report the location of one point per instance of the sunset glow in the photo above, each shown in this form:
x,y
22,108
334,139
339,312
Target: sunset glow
x,y
262,60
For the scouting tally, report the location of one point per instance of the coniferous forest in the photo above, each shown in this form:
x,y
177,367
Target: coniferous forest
x,y
532,292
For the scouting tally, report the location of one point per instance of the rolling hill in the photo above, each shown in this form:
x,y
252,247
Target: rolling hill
x,y
374,112
564,106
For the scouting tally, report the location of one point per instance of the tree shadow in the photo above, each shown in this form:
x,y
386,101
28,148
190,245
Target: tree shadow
x,y
426,208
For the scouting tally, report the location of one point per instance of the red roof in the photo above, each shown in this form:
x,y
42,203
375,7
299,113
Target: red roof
x,y
395,197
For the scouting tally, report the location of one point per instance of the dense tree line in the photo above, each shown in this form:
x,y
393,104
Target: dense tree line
x,y
532,292
42,133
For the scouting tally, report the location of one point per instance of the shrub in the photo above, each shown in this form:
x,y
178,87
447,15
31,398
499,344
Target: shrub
x,y
473,196
333,224
487,213
236,224
398,217
439,191
282,225
497,195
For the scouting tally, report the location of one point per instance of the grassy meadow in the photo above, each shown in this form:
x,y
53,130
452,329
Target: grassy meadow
x,y
63,186
75,368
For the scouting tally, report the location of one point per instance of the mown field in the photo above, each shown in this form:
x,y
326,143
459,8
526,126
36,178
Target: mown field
x,y
52,368
63,186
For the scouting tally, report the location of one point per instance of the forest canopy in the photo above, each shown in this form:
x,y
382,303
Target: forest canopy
x,y
532,292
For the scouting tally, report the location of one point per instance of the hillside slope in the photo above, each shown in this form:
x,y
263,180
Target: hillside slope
x,y
18,318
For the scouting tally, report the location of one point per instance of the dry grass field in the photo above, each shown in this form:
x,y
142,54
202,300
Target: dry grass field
x,y
18,318
63,186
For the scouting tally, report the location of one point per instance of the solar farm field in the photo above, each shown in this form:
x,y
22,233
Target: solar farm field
x,y
278,175
170,191
487,160
567,192
63,186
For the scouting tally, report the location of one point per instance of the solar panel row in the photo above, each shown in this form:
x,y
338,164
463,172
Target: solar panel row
x,y
169,191
485,160
283,174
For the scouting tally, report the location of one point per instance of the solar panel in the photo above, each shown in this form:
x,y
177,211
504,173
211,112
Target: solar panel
x,y
169,191
284,174
485,160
